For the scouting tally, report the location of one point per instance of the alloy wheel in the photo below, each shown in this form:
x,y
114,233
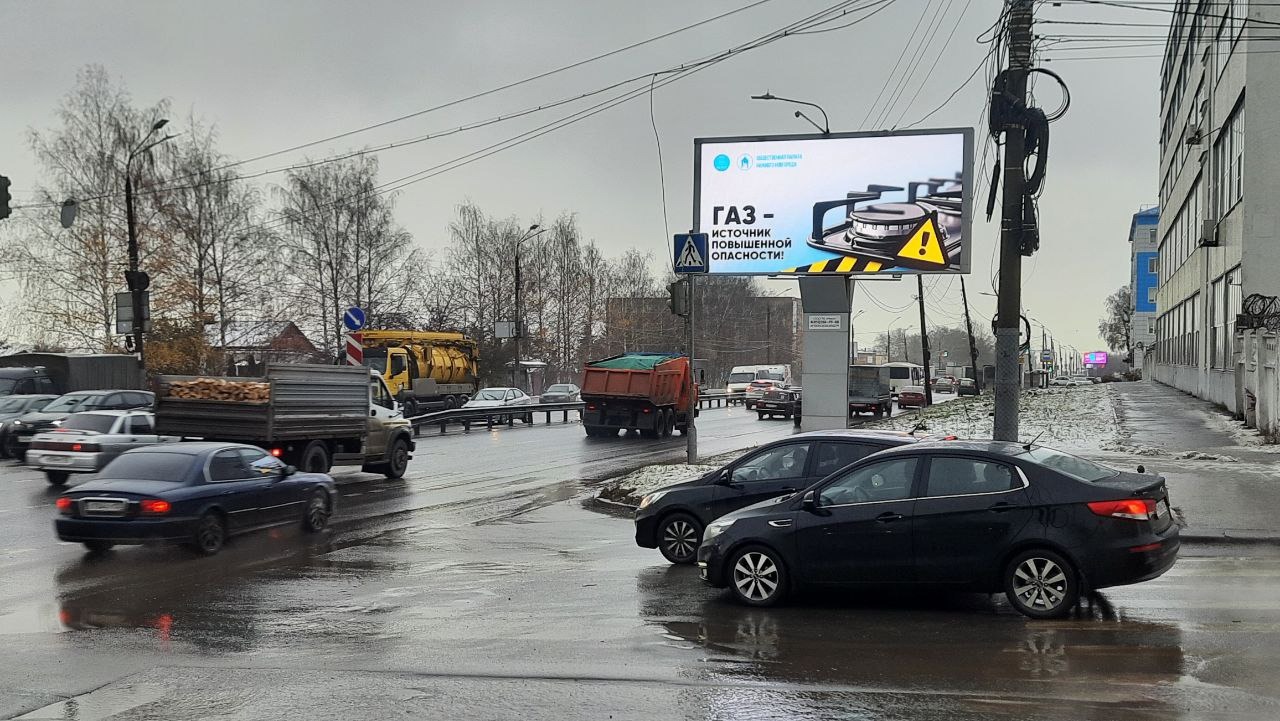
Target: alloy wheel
x,y
755,576
211,534
1040,584
680,539
317,512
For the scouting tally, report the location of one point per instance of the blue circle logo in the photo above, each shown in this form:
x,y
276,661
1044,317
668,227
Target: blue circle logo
x,y
721,162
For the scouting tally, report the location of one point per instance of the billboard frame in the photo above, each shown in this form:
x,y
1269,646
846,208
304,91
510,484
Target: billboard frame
x,y
966,210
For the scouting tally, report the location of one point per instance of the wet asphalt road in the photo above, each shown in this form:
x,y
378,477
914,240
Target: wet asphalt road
x,y
492,593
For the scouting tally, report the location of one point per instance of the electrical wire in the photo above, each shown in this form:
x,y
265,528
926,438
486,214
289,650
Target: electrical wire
x,y
902,54
662,174
909,71
928,74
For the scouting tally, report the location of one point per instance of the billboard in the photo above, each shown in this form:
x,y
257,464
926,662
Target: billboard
x,y
1095,358
845,203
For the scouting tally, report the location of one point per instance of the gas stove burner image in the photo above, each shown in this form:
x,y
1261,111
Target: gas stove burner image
x,y
923,233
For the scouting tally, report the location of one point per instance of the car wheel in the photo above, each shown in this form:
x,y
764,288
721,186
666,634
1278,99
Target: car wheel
x,y
56,478
315,459
211,533
795,420
398,459
11,449
1041,584
757,576
316,517
679,537
759,416
98,546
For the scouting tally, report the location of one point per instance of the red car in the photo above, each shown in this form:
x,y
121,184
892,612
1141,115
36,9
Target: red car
x,y
911,397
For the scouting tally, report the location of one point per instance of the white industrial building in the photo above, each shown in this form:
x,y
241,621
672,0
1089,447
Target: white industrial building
x,y
1219,217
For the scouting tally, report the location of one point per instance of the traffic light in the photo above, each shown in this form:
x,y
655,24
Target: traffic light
x,y
5,211
679,301
137,280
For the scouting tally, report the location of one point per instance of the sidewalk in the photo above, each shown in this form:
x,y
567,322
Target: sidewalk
x,y
1231,493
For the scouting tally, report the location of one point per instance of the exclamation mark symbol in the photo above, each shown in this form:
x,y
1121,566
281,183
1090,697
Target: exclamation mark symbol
x,y
924,243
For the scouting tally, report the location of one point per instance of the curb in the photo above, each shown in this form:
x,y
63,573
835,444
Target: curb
x,y
1229,537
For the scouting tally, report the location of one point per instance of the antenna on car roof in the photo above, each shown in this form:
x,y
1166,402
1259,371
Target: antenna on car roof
x,y
1032,442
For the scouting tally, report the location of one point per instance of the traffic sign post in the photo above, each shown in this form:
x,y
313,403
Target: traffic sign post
x,y
690,253
353,343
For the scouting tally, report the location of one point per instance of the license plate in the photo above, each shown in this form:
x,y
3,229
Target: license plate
x,y
103,506
56,460
1162,508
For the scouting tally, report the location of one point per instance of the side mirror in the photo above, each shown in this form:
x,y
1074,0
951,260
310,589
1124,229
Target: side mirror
x,y
810,502
288,471
724,478
373,412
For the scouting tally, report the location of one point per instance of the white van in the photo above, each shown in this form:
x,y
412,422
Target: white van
x,y
904,374
741,376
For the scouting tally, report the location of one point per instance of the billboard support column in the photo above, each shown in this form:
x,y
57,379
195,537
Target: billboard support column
x,y
691,429
826,303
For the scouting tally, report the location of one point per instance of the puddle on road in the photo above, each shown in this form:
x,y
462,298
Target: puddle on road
x,y
100,704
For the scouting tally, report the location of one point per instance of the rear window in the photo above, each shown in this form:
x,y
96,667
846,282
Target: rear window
x,y
899,372
93,422
559,388
1065,463
68,403
153,466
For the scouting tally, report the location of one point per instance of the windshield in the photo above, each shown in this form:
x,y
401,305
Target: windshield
x,y
1077,468
491,394
12,405
741,377
772,376
144,466
376,361
69,403
93,422
6,386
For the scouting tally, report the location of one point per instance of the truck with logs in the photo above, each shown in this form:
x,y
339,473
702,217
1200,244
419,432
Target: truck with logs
x,y
424,370
652,393
309,416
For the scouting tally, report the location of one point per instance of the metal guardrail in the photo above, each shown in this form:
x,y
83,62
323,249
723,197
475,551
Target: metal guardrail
x,y
491,417
707,399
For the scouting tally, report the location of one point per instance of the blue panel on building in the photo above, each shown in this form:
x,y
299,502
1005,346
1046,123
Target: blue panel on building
x,y
1146,280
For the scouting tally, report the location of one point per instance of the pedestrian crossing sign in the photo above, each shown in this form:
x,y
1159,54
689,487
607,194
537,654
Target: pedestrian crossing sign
x,y
691,253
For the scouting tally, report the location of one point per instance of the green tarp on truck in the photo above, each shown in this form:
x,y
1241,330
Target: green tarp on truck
x,y
633,361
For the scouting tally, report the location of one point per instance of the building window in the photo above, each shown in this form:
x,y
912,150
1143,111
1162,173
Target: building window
x,y
1232,292
1151,265
1151,295
1228,163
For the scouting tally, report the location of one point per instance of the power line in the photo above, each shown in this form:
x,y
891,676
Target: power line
x,y
929,73
885,86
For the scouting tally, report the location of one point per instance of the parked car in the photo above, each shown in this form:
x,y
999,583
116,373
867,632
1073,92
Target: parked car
x,y
197,494
13,407
561,393
944,385
1068,382
756,390
988,516
86,442
911,397
50,416
783,402
671,520
966,387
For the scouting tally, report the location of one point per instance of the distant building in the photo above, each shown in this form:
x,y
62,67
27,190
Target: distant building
x,y
1218,189
251,345
1144,280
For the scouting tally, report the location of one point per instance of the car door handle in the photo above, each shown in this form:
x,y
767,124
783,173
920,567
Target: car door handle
x,y
789,490
889,516
1002,507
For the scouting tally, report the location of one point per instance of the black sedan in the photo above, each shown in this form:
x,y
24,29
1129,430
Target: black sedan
x,y
672,519
197,494
1041,525
561,393
12,407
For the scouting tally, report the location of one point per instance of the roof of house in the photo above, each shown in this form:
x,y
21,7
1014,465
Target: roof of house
x,y
250,334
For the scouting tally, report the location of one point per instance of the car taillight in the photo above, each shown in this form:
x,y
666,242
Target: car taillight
x,y
64,504
154,506
646,410
276,452
591,406
85,447
1136,509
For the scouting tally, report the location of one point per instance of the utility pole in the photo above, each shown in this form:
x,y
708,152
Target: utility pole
x,y
1011,222
973,346
691,430
924,343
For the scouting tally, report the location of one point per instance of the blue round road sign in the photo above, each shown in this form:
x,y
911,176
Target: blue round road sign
x,y
353,319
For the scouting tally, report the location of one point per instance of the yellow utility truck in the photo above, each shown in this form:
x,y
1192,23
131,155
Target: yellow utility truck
x,y
424,370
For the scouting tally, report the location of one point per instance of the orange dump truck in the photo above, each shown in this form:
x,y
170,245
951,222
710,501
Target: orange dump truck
x,y
648,392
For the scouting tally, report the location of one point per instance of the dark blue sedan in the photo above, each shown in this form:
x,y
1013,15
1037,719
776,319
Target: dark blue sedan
x,y
192,493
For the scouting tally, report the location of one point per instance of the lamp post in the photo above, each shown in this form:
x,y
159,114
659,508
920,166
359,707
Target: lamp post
x,y
888,342
826,125
137,281
853,338
532,232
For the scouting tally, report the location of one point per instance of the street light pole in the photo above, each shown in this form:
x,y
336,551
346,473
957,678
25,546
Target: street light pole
x,y
826,124
518,380
137,281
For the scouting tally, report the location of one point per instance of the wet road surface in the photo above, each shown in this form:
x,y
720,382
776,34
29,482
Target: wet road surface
x,y
493,594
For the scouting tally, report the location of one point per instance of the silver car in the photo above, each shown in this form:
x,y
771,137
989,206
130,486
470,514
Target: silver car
x,y
85,442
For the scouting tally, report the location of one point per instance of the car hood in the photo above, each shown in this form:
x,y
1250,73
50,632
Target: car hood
x,y
768,507
484,404
146,488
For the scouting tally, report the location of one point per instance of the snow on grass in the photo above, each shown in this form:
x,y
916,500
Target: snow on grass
x,y
630,488
1082,418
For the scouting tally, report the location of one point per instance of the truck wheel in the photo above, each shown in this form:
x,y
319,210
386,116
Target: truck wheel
x,y
57,478
315,458
879,411
410,408
796,420
451,402
759,415
668,423
397,459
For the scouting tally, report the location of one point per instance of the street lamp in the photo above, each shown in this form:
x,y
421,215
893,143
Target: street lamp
x,y
826,125
137,281
888,342
532,232
853,337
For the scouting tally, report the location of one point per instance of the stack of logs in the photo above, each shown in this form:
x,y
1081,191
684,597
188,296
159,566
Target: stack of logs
x,y
221,389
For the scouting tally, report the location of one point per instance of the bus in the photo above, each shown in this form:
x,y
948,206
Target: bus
x,y
904,374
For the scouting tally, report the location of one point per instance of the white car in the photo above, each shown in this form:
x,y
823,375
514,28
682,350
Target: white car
x,y
498,398
1069,382
86,442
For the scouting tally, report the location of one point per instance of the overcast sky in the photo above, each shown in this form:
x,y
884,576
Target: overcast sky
x,y
272,75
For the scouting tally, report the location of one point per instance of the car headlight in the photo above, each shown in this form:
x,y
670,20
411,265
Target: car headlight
x,y
17,423
651,499
57,423
715,529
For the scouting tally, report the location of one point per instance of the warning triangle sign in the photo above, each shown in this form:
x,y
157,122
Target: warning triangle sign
x,y
690,257
924,245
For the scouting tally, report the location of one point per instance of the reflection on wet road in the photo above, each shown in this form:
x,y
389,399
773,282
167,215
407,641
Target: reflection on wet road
x,y
493,594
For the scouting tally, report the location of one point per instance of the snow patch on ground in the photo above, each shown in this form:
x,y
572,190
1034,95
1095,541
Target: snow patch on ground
x,y
1199,456
1240,433
1082,418
630,488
